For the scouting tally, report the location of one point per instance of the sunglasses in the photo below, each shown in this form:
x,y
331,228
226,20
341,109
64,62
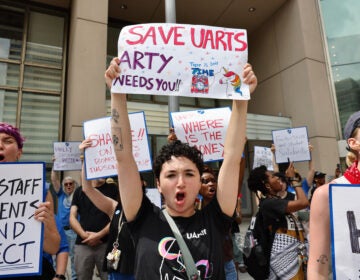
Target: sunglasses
x,y
207,181
68,184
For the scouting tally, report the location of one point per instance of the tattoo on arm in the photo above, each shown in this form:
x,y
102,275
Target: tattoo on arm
x,y
322,259
117,140
115,115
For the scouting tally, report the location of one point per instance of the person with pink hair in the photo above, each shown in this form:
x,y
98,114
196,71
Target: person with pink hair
x,y
11,145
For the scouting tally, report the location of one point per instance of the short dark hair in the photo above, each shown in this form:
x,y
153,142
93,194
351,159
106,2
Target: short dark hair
x,y
178,149
208,169
257,180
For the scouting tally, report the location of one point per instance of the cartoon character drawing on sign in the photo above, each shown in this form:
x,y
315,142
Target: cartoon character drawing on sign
x,y
230,77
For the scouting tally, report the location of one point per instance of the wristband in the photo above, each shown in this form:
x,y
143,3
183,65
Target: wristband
x,y
60,276
296,185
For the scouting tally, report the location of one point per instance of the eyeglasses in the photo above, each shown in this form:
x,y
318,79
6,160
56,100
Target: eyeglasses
x,y
207,181
68,184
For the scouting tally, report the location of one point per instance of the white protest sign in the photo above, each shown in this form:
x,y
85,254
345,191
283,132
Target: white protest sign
x,y
204,129
67,156
154,196
291,144
21,191
182,60
345,230
140,142
263,156
100,160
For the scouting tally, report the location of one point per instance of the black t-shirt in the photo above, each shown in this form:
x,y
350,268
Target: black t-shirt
x,y
126,245
91,218
157,253
290,196
274,211
288,233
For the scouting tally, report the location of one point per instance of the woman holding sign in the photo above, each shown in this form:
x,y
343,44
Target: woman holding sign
x,y
11,144
178,169
284,248
118,267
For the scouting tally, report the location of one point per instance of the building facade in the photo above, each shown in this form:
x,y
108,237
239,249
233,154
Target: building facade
x,y
53,55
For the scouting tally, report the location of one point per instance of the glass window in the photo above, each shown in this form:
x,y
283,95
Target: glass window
x,y
40,78
139,97
159,142
343,39
206,102
45,41
8,106
112,40
9,74
161,99
39,125
187,101
224,103
32,79
11,32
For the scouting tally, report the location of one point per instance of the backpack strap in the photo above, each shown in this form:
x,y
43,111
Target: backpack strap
x,y
191,270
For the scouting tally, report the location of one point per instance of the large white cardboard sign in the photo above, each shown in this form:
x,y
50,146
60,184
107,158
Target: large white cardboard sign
x,y
154,196
345,230
205,129
182,60
22,188
100,160
291,144
67,156
263,156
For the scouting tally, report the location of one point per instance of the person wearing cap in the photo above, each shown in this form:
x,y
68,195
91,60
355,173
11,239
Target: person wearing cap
x,y
319,254
319,180
11,145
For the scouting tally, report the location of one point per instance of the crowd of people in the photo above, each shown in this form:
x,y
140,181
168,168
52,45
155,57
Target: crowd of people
x,y
111,228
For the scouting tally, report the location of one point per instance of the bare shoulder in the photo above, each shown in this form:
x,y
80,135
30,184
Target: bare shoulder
x,y
322,192
320,200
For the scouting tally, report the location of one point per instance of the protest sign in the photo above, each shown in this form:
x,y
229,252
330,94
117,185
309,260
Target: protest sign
x,y
263,156
154,196
182,60
67,156
291,144
204,129
345,230
21,191
140,142
100,160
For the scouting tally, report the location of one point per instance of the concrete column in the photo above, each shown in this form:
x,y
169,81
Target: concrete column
x,y
85,91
